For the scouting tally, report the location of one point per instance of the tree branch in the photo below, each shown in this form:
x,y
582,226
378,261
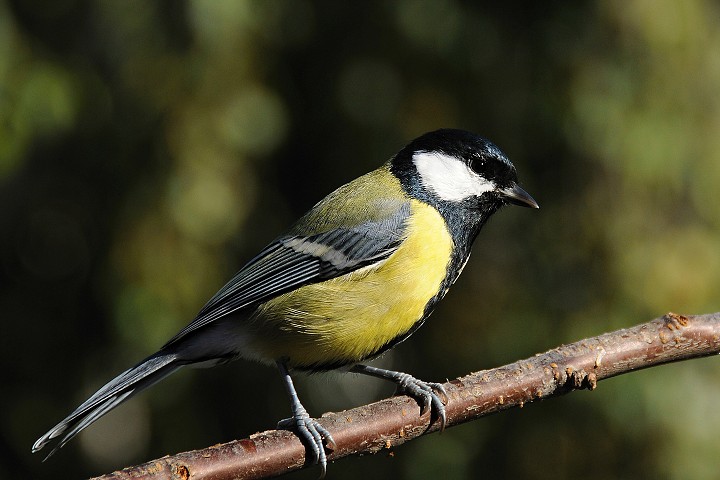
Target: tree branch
x,y
388,423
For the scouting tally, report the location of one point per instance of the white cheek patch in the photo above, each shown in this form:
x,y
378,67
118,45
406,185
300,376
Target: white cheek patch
x,y
448,177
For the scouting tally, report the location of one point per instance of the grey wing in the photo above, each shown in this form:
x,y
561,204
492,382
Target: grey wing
x,y
292,261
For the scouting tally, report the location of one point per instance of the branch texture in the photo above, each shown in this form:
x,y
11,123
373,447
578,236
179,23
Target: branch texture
x,y
388,423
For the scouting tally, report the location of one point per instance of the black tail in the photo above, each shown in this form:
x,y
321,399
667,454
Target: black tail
x,y
146,373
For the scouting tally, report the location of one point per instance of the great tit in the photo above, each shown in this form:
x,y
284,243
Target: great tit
x,y
355,276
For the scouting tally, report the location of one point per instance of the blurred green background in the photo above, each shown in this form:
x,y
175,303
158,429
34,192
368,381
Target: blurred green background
x,y
147,149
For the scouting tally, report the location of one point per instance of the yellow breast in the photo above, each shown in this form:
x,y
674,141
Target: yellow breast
x,y
349,318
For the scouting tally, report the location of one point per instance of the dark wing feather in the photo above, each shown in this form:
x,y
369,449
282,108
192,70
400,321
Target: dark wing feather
x,y
295,260
132,381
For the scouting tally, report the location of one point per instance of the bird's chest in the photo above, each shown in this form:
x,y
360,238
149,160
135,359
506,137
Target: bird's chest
x,y
352,317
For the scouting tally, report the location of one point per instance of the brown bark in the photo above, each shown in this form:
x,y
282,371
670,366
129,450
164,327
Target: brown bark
x,y
389,423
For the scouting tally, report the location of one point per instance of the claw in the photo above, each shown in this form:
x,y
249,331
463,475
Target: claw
x,y
423,392
313,435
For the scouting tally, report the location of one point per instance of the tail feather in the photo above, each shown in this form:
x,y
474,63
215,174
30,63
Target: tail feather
x,y
130,382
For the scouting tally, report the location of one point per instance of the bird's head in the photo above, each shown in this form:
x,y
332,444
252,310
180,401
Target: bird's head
x,y
453,168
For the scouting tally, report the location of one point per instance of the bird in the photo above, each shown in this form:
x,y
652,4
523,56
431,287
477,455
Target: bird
x,y
355,276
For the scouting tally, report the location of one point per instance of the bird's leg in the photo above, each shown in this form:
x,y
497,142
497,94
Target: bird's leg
x,y
426,393
311,433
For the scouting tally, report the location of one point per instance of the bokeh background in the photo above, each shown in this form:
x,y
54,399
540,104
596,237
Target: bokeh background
x,y
147,149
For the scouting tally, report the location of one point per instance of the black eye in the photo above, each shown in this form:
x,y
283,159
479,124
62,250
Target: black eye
x,y
493,169
483,167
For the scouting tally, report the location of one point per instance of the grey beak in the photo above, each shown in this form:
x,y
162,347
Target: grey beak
x,y
518,196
